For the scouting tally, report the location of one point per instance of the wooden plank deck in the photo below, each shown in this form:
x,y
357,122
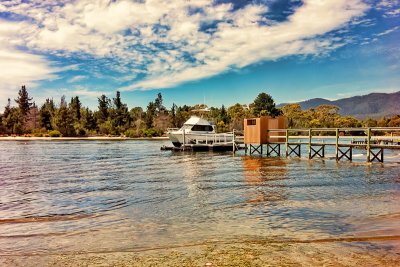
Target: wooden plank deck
x,y
342,139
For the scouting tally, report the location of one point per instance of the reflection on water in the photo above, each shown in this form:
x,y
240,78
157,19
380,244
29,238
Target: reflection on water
x,y
265,175
81,196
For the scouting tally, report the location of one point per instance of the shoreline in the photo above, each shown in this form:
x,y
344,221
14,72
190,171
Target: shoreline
x,y
225,254
89,138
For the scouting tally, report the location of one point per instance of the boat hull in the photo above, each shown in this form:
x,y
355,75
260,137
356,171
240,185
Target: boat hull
x,y
198,138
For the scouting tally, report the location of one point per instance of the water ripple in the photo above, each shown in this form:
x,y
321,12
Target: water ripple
x,y
116,196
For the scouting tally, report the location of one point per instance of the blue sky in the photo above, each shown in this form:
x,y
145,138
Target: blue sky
x,y
199,51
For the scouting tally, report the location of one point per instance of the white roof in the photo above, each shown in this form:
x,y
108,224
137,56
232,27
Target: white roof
x,y
194,120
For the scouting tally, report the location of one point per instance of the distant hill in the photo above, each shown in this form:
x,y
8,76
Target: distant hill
x,y
374,105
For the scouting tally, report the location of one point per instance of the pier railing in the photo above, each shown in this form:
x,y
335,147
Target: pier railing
x,y
373,139
216,138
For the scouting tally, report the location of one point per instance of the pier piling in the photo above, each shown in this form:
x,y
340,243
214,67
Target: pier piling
x,y
344,140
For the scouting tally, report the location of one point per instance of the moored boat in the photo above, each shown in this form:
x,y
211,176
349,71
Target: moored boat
x,y
196,131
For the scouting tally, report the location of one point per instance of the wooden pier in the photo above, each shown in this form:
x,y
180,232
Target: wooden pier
x,y
289,142
344,140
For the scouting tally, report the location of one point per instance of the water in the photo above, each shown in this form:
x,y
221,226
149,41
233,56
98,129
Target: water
x,y
105,196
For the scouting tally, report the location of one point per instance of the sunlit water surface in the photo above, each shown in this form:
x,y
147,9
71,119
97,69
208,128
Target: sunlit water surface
x,y
99,196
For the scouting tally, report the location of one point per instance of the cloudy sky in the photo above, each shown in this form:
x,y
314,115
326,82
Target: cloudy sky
x,y
195,51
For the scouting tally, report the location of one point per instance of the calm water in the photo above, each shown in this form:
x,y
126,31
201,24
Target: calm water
x,y
77,196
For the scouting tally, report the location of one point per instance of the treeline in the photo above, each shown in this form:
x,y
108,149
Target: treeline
x,y
113,117
327,116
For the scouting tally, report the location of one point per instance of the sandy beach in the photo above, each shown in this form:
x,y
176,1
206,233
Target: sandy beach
x,y
241,254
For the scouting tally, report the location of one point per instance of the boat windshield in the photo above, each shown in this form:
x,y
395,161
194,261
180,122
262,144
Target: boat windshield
x,y
202,128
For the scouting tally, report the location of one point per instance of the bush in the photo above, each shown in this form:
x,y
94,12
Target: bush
x,y
80,132
131,133
39,132
18,129
55,133
152,132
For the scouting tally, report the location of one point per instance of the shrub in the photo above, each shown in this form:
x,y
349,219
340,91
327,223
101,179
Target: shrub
x,y
39,132
152,132
55,133
131,133
80,132
18,129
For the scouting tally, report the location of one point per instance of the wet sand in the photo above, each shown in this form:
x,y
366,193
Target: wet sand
x,y
260,253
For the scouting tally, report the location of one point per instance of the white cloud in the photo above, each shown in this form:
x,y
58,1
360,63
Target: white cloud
x,y
163,40
388,31
19,67
77,78
388,3
393,13
391,8
81,91
241,43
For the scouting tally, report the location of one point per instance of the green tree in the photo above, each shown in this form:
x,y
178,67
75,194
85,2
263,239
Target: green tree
x,y
136,113
237,113
150,113
2,130
64,120
13,119
326,115
182,115
46,114
394,121
75,106
264,105
223,115
89,120
136,120
158,102
370,123
104,106
23,100
172,116
5,117
45,117
346,122
120,116
297,118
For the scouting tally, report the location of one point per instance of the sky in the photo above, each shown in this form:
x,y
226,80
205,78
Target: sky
x,y
198,51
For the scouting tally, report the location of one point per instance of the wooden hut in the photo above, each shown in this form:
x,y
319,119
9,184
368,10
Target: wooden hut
x,y
256,129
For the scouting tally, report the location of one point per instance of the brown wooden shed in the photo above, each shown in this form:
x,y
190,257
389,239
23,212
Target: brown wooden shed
x,y
256,129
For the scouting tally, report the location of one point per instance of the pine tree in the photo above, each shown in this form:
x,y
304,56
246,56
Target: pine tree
x,y
75,106
172,116
159,103
23,100
120,115
264,104
64,119
6,120
46,113
104,105
150,113
89,121
223,116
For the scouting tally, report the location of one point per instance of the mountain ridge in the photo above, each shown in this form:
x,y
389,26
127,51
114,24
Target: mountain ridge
x,y
373,105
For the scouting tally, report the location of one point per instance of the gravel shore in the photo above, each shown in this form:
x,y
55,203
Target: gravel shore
x,y
243,254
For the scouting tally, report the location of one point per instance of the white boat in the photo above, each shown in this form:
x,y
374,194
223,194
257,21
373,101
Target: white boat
x,y
197,131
